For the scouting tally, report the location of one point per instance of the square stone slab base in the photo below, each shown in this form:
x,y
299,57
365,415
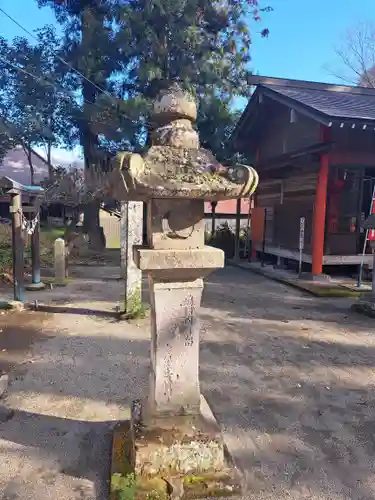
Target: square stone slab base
x,y
34,287
165,458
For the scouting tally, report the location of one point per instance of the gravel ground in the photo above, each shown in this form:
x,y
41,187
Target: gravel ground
x,y
290,378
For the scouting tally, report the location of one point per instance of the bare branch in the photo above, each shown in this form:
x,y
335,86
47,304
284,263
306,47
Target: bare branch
x,y
356,54
75,187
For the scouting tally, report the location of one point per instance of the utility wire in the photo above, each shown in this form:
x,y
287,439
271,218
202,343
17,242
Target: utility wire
x,y
44,80
57,56
63,92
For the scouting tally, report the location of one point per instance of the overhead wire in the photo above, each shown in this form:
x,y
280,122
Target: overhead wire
x,y
43,79
66,63
103,91
63,92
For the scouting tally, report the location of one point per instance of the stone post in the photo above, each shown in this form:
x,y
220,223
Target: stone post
x,y
175,275
59,262
36,283
17,246
131,227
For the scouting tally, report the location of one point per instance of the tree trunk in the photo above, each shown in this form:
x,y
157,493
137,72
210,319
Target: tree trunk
x,y
91,208
27,151
49,156
89,142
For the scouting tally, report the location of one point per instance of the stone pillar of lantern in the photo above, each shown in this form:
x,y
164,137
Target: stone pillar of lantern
x,y
174,434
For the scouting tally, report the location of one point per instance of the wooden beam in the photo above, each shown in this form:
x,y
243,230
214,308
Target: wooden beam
x,y
29,209
225,216
290,157
328,260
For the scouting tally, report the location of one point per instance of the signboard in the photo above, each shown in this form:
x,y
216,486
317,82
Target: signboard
x,y
301,233
301,242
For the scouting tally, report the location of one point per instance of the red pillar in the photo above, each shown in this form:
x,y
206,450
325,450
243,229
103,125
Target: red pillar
x,y
319,217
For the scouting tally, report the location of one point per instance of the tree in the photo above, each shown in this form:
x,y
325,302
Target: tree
x,y
132,49
356,53
6,97
36,108
216,122
204,45
90,50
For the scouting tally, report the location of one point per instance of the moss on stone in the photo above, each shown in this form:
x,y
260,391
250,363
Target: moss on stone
x,y
130,487
325,291
134,307
210,485
5,305
151,489
123,486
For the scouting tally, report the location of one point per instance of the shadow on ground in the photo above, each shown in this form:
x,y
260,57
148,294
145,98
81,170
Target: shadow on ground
x,y
290,378
16,340
246,294
91,382
45,436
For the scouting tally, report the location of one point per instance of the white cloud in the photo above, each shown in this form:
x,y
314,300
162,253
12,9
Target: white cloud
x,y
63,157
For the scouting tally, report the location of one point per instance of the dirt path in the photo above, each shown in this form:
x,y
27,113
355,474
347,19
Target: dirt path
x,y
289,377
292,380
18,333
65,401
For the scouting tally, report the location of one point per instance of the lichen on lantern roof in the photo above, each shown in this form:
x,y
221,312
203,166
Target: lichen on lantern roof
x,y
184,165
175,166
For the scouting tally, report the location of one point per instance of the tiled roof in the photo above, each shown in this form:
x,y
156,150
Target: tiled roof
x,y
336,104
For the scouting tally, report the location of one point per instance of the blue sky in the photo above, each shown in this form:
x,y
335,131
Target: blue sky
x,y
303,33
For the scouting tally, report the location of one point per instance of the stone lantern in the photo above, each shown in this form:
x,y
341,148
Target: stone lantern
x,y
173,434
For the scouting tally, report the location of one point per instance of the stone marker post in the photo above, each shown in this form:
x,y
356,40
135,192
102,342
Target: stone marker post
x,y
17,245
131,226
59,262
36,283
173,433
